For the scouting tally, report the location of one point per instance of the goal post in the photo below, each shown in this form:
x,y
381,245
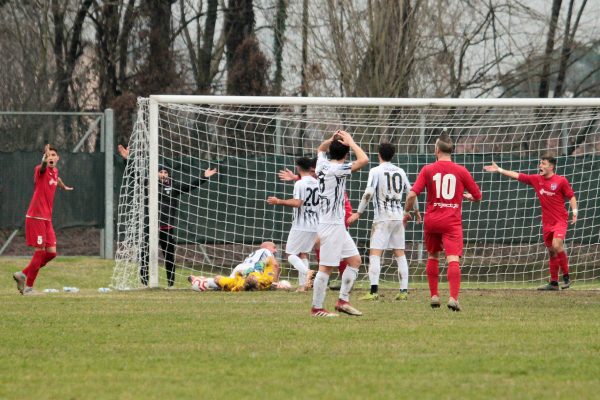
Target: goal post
x,y
248,139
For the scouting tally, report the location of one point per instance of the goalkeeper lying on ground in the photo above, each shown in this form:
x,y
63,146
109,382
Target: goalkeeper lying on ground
x,y
259,271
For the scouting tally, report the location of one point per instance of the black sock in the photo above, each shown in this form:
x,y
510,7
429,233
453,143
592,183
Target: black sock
x,y
565,277
374,289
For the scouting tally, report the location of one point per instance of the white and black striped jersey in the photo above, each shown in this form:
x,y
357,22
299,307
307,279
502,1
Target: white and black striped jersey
x,y
389,183
332,185
258,256
306,217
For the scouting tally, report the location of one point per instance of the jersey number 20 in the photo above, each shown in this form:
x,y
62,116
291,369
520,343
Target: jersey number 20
x,y
446,185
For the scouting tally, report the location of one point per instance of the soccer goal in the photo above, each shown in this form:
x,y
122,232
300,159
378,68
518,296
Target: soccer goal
x,y
249,139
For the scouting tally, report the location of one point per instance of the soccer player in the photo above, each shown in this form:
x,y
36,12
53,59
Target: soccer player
x,y
303,233
551,189
168,201
259,271
39,232
445,182
336,243
287,175
386,185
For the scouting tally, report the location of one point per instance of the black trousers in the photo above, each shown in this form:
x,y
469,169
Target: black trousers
x,y
166,241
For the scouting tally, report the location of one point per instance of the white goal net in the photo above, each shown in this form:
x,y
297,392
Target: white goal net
x,y
217,222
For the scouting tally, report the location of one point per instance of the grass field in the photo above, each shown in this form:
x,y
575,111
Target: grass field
x,y
182,344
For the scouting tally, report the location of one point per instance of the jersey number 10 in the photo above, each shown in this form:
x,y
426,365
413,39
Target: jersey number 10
x,y
446,185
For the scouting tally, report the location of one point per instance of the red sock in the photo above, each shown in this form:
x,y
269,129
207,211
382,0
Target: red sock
x,y
342,267
553,263
433,275
47,258
454,278
34,266
563,262
318,254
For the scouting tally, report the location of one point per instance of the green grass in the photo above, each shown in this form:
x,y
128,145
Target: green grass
x,y
181,344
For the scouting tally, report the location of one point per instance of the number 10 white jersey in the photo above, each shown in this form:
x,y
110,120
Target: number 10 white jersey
x,y
306,217
389,183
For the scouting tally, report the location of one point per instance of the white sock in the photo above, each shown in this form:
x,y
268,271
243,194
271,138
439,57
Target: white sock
x,y
320,289
402,272
211,284
300,267
374,269
348,277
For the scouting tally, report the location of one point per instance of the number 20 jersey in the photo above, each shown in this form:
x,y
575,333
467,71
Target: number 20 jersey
x,y
306,217
446,182
389,183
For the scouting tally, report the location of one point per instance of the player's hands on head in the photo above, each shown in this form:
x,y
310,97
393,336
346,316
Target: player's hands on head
x,y
491,168
272,200
345,138
123,151
210,172
286,175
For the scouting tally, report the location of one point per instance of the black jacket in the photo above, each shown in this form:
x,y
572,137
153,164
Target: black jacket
x,y
168,200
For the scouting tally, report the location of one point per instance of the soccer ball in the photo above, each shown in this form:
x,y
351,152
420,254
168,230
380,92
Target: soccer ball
x,y
199,283
284,285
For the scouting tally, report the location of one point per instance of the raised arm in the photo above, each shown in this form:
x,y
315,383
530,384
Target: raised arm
x,y
185,188
324,146
361,157
44,163
495,168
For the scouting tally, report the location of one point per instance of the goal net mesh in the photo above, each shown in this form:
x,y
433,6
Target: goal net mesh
x,y
219,222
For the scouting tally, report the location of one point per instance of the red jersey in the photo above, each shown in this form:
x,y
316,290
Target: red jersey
x,y
347,209
44,188
552,193
446,182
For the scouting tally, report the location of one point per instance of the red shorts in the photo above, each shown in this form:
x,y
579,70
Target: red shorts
x,y
449,239
39,233
556,231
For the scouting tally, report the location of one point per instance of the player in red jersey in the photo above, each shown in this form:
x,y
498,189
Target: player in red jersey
x,y
551,189
39,232
446,182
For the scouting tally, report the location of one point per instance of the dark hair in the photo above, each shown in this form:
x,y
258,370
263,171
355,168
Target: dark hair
x,y
338,150
387,151
444,143
550,158
313,162
52,148
304,163
162,167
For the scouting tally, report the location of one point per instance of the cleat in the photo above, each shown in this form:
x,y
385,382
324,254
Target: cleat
x,y
453,304
301,289
370,297
403,295
345,307
20,278
550,286
434,302
566,284
29,291
321,312
335,286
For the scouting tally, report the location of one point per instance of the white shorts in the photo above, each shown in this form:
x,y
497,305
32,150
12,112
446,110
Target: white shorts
x,y
336,244
387,235
300,242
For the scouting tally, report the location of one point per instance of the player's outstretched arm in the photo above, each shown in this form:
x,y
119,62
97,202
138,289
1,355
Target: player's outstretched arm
x,y
495,168
573,204
62,185
275,201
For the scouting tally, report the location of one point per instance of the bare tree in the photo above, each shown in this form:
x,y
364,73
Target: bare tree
x,y
544,87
